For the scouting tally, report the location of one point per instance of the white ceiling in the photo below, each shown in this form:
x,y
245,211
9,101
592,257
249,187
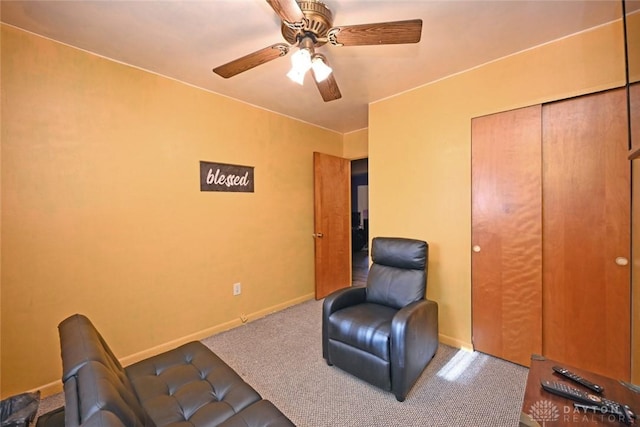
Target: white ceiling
x,y
184,40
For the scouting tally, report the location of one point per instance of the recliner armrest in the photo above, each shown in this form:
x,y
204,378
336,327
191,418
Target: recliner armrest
x,y
411,352
344,298
338,300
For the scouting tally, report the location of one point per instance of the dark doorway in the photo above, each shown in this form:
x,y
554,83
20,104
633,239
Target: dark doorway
x,y
360,220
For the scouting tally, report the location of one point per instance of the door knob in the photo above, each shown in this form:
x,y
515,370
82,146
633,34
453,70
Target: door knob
x,y
622,261
317,235
476,248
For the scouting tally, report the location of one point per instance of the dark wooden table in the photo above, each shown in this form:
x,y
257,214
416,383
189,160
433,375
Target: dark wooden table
x,y
541,408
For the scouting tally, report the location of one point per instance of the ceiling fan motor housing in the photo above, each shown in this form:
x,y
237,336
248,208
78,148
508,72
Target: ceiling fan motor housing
x,y
318,21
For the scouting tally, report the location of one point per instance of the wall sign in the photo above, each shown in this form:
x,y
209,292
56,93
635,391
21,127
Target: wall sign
x,y
224,177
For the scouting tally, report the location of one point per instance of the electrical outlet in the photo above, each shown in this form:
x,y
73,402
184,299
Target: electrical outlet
x,y
237,288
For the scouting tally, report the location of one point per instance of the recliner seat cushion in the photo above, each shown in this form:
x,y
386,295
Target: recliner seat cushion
x,y
364,326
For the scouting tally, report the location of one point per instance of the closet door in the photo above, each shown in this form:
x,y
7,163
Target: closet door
x,y
507,234
586,233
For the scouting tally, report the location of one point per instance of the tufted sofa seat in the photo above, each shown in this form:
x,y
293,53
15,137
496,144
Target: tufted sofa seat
x,y
186,386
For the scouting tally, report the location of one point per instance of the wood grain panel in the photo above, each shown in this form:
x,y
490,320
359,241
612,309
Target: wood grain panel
x,y
635,237
328,88
507,227
586,211
634,104
332,219
396,32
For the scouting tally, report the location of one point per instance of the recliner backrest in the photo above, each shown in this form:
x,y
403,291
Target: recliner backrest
x,y
398,275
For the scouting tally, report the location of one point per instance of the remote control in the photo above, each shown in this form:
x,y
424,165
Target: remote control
x,y
590,401
564,390
577,378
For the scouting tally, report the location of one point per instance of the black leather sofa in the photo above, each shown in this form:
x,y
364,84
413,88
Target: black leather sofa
x,y
186,386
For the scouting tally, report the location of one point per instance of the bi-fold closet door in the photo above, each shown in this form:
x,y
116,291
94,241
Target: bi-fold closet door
x,y
551,233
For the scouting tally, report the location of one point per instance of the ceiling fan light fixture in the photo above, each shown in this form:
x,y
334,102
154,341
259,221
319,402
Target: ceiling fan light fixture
x,y
308,24
296,76
301,60
300,64
320,68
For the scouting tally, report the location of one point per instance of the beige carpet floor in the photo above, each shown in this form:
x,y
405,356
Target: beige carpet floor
x,y
281,357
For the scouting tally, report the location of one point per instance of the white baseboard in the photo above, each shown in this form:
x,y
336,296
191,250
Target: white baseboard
x,y
128,360
456,343
49,389
56,386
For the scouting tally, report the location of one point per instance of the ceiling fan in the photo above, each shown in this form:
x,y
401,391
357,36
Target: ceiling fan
x,y
309,25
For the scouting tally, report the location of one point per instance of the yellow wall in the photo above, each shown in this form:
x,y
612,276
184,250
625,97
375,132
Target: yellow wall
x,y
419,186
102,212
356,144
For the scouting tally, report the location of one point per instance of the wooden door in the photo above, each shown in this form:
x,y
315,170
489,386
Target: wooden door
x,y
634,111
507,234
332,223
634,93
586,233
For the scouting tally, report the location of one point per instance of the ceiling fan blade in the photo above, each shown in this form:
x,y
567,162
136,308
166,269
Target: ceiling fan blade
x,y
288,10
252,60
328,88
397,32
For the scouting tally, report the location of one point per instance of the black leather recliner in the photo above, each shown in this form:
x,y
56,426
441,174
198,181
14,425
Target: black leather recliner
x,y
387,332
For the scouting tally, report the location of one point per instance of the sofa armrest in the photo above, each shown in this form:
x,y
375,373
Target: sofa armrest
x,y
95,396
95,384
81,343
414,332
338,300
